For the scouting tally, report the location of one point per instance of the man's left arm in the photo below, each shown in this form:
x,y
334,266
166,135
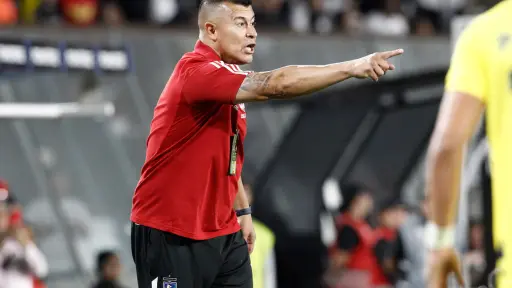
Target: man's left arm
x,y
242,202
460,112
458,118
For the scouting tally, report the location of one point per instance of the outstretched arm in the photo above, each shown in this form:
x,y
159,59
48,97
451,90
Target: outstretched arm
x,y
292,81
461,109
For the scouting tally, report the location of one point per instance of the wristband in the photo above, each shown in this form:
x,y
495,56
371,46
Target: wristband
x,y
439,237
242,212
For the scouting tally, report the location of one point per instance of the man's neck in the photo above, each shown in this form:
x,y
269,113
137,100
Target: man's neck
x,y
208,42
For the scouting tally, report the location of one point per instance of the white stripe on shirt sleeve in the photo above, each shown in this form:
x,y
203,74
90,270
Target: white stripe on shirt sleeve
x,y
235,69
215,64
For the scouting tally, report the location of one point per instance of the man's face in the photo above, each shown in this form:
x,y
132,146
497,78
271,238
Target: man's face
x,y
386,218
113,268
236,34
394,217
364,204
477,236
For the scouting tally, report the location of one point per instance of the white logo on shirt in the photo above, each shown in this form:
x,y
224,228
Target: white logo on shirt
x,y
243,115
235,69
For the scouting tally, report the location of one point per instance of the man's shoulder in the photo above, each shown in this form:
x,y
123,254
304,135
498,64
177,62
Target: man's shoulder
x,y
483,38
191,60
484,26
194,62
471,32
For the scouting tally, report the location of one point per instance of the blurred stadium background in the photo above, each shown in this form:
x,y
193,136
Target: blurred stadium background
x,y
73,167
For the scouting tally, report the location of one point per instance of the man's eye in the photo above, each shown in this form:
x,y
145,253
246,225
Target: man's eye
x,y
240,24
253,24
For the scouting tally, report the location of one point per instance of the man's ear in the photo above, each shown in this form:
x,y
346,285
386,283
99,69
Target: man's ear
x,y
211,30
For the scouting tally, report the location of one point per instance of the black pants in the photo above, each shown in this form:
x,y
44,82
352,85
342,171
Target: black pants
x,y
165,260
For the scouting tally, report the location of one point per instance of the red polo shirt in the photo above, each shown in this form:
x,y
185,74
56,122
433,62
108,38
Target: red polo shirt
x,y
189,181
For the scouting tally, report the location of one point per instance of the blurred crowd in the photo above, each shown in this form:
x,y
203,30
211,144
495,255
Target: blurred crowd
x,y
32,247
366,17
23,263
384,247
375,247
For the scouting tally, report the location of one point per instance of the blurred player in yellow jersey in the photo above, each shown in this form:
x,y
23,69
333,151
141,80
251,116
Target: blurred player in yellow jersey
x,y
479,79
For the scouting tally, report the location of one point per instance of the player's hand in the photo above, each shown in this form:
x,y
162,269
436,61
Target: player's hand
x,y
374,65
441,264
248,231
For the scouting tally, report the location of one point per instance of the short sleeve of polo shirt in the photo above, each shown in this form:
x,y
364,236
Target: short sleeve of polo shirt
x,y
467,73
213,81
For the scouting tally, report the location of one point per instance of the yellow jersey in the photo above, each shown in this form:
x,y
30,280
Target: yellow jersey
x,y
481,66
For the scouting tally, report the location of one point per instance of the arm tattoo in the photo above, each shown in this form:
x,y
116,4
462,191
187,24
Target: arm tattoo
x,y
259,83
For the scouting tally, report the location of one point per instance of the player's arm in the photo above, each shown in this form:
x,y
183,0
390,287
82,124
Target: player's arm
x,y
245,220
458,117
292,81
223,83
460,112
241,199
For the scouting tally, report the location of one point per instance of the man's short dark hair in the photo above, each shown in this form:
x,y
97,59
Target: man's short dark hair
x,y
350,192
239,2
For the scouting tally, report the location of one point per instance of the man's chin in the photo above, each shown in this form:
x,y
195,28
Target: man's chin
x,y
242,60
246,59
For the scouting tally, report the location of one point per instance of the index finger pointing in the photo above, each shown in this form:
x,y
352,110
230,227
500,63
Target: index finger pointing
x,y
393,53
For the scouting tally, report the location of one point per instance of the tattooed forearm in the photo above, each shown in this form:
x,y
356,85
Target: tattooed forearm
x,y
256,81
291,81
261,83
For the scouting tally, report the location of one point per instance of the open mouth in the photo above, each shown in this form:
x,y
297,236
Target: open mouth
x,y
250,48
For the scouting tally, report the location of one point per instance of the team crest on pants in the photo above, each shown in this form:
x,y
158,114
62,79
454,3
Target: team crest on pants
x,y
170,282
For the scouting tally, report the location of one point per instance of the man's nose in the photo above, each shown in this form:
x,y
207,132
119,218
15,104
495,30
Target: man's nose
x,y
251,33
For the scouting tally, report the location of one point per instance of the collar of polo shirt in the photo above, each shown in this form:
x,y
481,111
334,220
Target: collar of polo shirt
x,y
206,51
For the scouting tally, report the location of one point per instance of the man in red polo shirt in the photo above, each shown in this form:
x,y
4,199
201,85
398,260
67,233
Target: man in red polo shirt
x,y
186,203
